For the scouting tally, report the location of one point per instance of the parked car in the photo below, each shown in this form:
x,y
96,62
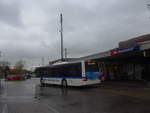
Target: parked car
x,y
14,77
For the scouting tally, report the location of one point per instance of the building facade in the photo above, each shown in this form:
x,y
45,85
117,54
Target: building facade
x,y
130,61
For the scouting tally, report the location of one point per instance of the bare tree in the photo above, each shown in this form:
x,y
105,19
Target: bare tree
x,y
20,65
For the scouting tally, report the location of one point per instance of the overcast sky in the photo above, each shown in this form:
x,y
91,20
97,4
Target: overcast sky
x,y
29,29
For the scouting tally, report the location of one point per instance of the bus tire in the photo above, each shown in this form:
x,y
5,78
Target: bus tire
x,y
42,83
64,83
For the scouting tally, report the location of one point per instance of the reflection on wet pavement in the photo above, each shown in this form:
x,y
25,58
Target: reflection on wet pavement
x,y
29,97
90,100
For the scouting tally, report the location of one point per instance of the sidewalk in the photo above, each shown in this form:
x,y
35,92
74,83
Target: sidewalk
x,y
125,84
131,89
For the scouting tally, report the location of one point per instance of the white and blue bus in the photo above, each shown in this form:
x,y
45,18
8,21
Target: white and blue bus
x,y
70,74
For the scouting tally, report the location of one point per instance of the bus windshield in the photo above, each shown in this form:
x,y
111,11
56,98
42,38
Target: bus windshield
x,y
91,67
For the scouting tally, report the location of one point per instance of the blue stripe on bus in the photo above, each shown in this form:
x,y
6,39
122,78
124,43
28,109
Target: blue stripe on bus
x,y
45,76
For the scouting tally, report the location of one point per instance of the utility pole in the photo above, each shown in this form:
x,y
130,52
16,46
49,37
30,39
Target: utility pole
x,y
65,52
0,53
61,31
42,61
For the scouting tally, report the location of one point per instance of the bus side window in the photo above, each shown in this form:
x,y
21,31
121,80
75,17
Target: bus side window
x,y
75,70
65,71
49,71
54,72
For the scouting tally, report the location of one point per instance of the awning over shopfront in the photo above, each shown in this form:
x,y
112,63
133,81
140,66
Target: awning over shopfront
x,y
119,54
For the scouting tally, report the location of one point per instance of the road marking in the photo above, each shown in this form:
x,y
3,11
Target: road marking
x,y
5,108
4,93
51,108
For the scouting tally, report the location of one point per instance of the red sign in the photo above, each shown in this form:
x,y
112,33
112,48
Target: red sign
x,y
113,52
146,53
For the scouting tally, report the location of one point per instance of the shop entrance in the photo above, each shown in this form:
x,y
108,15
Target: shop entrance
x,y
126,67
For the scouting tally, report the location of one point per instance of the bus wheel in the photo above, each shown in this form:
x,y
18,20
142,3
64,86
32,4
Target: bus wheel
x,y
42,83
64,83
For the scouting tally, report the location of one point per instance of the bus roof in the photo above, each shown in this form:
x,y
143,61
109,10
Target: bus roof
x,y
61,64
64,63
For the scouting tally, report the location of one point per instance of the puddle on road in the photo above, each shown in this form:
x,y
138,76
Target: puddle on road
x,y
76,100
49,91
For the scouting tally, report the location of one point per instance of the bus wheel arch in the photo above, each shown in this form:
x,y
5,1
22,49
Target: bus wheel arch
x,y
64,83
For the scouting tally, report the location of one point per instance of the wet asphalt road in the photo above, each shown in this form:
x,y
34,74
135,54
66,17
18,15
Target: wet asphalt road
x,y
29,97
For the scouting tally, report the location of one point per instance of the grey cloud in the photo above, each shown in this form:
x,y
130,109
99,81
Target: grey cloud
x,y
10,13
89,27
104,26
